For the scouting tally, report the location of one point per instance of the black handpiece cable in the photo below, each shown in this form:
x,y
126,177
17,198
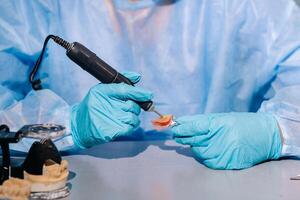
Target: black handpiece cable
x,y
36,84
91,63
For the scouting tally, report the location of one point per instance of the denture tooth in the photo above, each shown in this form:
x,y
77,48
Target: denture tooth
x,y
7,191
26,191
55,170
22,192
16,191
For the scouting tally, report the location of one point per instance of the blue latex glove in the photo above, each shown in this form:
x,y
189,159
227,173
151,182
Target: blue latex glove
x,y
230,140
106,112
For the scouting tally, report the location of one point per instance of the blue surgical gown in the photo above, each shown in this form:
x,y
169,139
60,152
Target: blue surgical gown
x,y
197,56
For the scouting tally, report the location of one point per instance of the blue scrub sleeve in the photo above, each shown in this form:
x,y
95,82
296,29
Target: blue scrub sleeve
x,y
285,89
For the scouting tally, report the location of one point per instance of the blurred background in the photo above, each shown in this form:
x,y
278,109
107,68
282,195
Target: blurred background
x,y
298,2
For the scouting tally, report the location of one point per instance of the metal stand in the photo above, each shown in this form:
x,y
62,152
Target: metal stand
x,y
6,137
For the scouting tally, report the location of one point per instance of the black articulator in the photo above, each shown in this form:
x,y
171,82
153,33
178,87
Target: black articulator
x,y
6,137
40,151
91,63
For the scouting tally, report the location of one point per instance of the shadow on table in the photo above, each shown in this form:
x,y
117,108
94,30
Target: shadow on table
x,y
133,146
71,175
183,150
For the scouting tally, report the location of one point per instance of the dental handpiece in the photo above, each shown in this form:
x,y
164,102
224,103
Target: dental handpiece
x,y
95,66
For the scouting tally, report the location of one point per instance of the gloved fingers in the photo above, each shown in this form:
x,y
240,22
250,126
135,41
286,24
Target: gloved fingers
x,y
123,130
205,153
127,92
201,140
132,76
129,118
199,127
212,163
198,153
127,106
131,106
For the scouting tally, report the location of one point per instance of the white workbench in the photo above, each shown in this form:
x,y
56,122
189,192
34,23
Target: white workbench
x,y
166,170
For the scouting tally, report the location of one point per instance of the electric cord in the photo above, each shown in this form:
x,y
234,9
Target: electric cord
x,y
37,83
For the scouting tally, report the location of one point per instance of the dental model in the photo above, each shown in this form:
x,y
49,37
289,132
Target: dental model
x,y
163,122
15,189
54,177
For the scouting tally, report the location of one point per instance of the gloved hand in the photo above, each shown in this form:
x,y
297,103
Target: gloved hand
x,y
106,112
230,140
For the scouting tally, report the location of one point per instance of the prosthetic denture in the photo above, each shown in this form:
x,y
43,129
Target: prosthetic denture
x,y
163,122
15,189
54,177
